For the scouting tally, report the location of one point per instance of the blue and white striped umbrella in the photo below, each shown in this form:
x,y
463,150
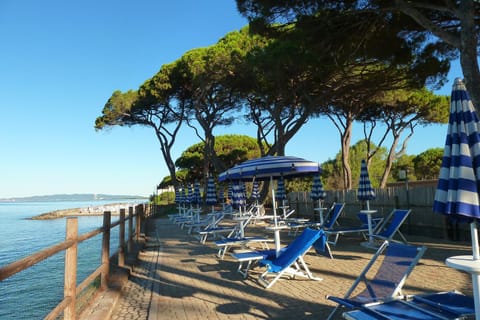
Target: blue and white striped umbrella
x,y
458,188
281,194
317,189
197,197
255,191
365,190
221,195
177,195
238,196
211,197
183,195
190,195
230,192
270,167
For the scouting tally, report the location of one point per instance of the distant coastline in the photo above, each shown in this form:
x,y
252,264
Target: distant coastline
x,y
72,197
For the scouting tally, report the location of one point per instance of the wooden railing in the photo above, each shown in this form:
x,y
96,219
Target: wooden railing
x,y
70,245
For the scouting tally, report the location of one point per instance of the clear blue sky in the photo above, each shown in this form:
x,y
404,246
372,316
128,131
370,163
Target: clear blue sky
x,y
61,60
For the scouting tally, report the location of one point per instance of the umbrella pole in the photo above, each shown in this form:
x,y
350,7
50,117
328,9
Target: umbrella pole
x,y
475,246
475,276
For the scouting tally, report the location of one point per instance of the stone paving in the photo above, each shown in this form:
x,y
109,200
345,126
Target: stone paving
x,y
176,277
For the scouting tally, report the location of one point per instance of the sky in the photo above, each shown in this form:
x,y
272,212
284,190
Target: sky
x,y
60,61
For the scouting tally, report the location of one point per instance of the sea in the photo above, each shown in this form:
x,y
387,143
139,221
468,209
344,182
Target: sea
x,y
33,293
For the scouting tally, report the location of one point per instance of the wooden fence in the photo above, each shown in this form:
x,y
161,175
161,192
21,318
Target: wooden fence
x,y
68,305
419,198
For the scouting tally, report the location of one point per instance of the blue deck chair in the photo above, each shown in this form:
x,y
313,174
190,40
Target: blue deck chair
x,y
437,306
389,228
452,302
290,261
362,229
334,213
330,220
398,262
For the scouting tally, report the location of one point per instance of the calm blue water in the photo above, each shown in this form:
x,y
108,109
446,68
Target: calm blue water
x,y
33,293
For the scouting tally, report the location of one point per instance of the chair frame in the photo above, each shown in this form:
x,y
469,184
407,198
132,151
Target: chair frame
x,y
415,254
362,229
391,225
290,261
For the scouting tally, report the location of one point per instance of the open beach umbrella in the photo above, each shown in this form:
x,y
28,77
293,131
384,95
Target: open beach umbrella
x,y
211,196
365,190
457,194
269,168
318,194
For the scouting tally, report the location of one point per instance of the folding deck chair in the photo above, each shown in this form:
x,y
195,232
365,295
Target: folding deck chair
x,y
398,262
330,221
361,229
437,306
389,228
290,261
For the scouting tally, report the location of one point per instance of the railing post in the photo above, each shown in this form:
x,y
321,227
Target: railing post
x,y
70,277
130,229
121,240
105,249
138,221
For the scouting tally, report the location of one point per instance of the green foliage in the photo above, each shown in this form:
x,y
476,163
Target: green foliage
x,y
231,149
428,163
331,169
116,110
404,162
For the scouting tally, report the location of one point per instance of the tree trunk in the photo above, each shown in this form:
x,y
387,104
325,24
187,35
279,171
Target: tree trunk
x,y
468,51
389,163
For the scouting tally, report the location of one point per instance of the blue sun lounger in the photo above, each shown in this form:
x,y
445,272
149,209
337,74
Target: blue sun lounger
x,y
290,261
398,262
436,306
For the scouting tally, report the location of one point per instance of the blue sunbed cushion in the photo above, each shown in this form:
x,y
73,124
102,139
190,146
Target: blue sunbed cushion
x,y
453,302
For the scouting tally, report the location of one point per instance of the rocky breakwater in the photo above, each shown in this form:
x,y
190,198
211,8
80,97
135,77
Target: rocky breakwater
x,y
80,212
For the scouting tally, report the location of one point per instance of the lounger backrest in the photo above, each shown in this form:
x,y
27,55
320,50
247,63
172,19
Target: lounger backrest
x,y
297,247
399,261
398,217
335,214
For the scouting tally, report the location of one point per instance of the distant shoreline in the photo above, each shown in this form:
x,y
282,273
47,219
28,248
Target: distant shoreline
x,y
89,211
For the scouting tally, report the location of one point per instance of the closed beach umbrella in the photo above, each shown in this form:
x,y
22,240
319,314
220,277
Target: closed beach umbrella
x,y
221,195
281,194
318,194
177,195
255,192
211,197
183,197
317,189
190,195
197,197
459,181
230,192
238,196
365,190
